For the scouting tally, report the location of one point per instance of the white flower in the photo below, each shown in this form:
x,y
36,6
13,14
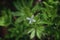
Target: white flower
x,y
31,20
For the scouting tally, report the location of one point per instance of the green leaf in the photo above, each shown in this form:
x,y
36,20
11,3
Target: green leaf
x,y
35,8
45,22
30,30
40,31
18,20
44,15
2,21
32,34
38,34
18,13
31,2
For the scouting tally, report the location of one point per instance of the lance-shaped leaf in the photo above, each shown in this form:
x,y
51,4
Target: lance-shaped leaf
x,y
32,34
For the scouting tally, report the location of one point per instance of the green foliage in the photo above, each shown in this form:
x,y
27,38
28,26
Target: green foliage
x,y
46,21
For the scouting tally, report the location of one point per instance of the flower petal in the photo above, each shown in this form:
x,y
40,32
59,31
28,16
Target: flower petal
x,y
34,20
32,16
30,22
28,18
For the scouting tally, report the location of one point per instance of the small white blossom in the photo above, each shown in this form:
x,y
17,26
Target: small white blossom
x,y
31,20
